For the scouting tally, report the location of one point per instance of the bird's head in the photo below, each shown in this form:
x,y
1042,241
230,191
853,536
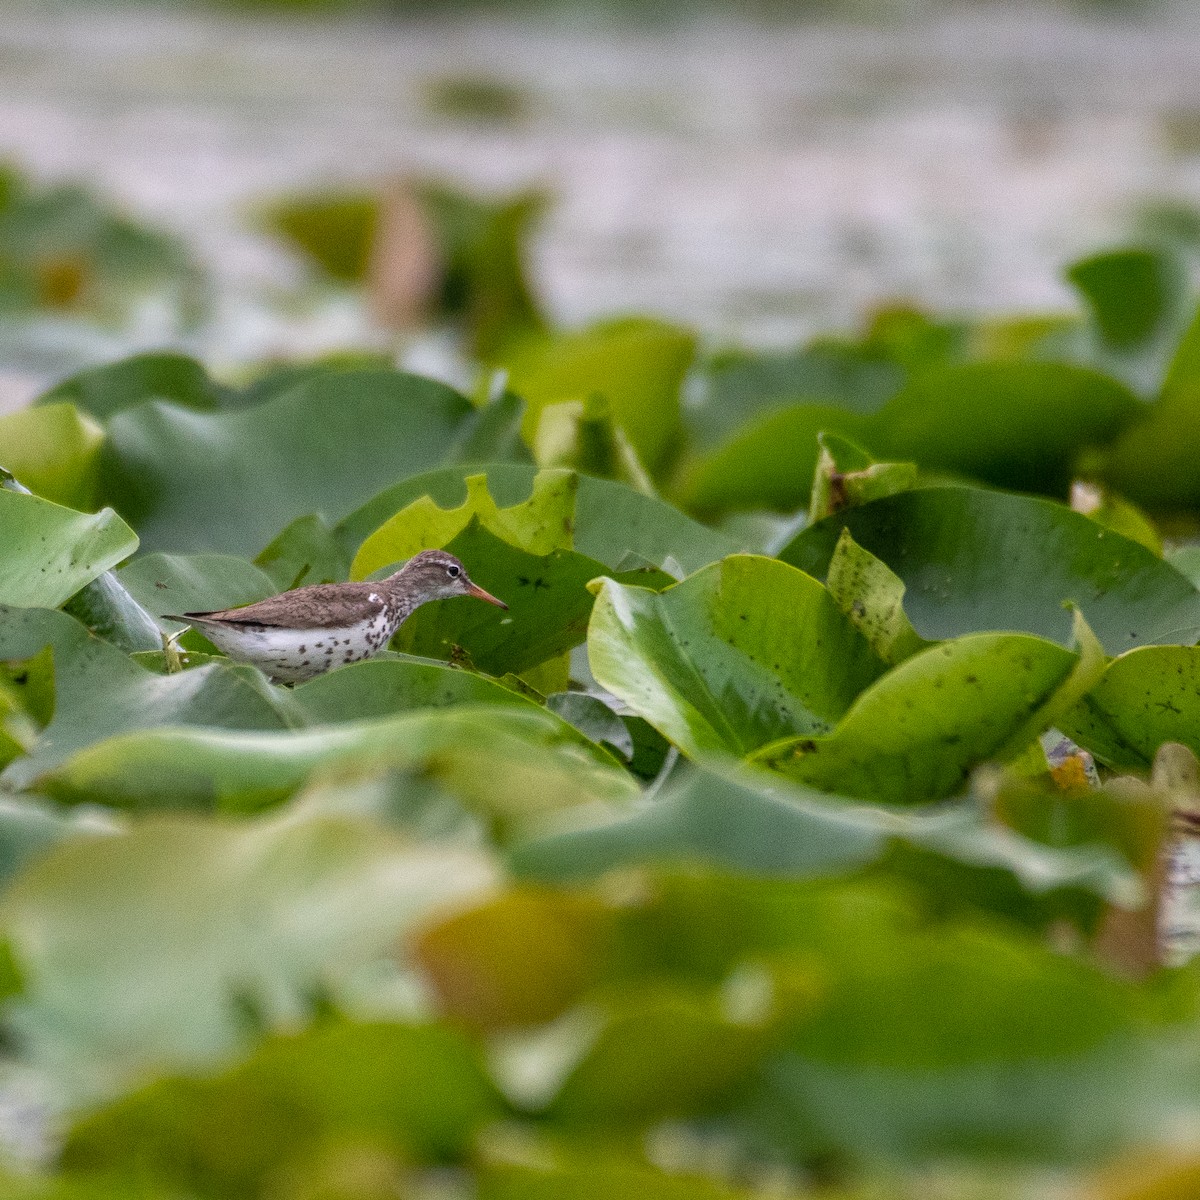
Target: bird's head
x,y
436,575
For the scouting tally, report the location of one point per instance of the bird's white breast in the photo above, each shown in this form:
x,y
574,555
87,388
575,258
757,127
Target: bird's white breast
x,y
293,655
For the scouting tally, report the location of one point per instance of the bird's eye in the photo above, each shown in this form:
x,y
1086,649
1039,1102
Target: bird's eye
x,y
453,571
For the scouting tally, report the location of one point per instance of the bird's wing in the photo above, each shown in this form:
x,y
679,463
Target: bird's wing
x,y
314,607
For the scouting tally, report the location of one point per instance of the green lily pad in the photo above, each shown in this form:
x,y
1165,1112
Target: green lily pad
x,y
30,827
637,364
541,524
1017,425
107,608
872,597
179,583
47,553
592,717
108,389
975,560
588,1177
655,1056
383,686
1133,294
519,959
736,388
306,552
1154,462
1146,697
916,1037
958,1039
916,734
582,435
612,521
230,481
54,451
100,692
770,463
740,654
847,475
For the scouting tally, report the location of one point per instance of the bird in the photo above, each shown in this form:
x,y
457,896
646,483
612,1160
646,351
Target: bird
x,y
303,633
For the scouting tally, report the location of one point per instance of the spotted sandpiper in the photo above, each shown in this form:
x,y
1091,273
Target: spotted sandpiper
x,y
304,632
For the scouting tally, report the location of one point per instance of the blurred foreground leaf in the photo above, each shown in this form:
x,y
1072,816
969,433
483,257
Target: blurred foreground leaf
x,y
758,823
509,764
180,941
413,1092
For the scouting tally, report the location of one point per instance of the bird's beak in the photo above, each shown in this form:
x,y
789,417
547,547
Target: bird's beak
x,y
479,594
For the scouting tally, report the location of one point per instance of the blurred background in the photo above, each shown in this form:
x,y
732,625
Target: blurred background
x,y
762,171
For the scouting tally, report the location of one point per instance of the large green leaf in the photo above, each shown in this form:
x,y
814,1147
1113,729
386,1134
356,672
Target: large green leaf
x,y
974,560
230,481
175,943
916,733
179,583
1018,425
410,1092
637,364
47,553
586,1177
107,608
769,463
541,524
29,827
1154,462
1134,295
1147,696
657,1055
54,451
743,652
738,386
306,552
918,1037
99,691
612,521
509,763
380,687
108,389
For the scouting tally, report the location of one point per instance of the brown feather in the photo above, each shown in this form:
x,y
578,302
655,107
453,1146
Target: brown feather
x,y
318,606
